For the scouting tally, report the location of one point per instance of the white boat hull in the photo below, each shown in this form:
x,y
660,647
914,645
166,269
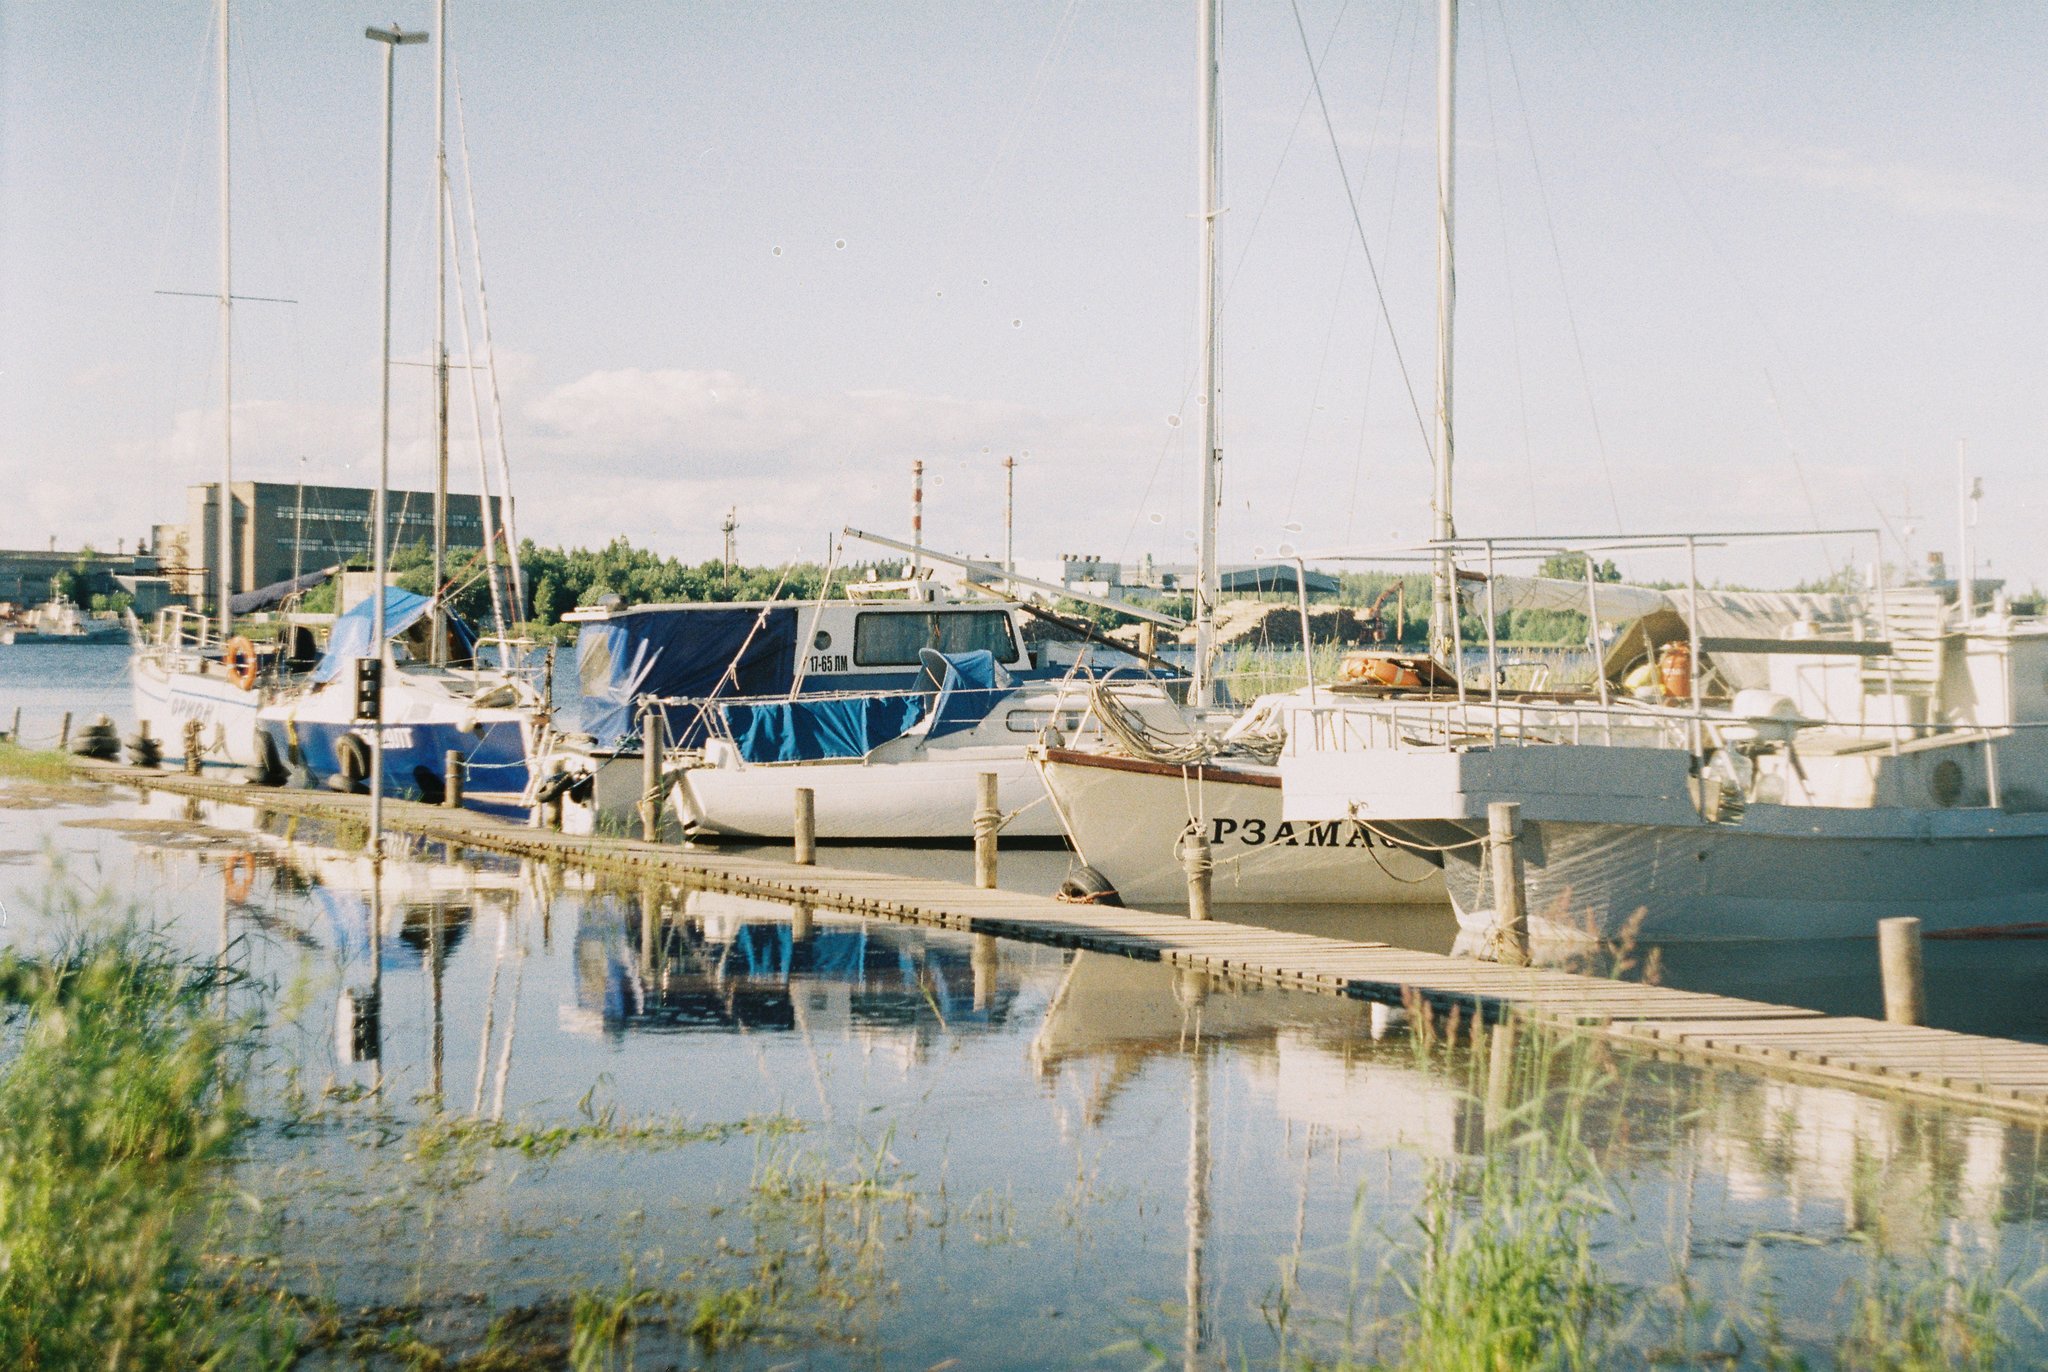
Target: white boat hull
x,y
1125,819
1685,883
168,695
930,800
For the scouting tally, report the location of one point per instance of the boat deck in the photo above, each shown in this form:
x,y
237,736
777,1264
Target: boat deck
x,y
1990,1075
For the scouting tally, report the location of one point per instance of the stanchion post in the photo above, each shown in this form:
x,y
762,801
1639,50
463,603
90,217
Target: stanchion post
x,y
1510,904
451,783
988,822
805,852
1195,861
15,733
1898,955
64,733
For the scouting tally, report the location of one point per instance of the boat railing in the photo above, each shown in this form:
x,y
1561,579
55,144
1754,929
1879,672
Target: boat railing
x,y
1449,725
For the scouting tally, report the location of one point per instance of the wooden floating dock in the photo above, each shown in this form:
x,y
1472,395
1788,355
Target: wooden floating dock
x,y
1998,1076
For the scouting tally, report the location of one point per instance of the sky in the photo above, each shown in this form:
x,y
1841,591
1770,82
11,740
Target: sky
x,y
1720,266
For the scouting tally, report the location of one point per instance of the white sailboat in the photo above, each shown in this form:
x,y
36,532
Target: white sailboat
x,y
429,705
1127,816
184,668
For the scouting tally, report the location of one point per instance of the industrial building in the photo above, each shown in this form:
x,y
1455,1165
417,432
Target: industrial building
x,y
283,529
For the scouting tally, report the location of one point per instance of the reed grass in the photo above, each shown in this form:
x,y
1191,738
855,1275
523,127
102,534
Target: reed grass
x,y
120,1100
1517,1252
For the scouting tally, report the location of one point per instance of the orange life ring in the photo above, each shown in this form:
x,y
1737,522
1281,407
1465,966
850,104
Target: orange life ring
x,y
240,875
239,657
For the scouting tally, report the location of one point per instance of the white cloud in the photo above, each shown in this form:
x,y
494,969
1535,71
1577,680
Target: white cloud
x,y
1904,186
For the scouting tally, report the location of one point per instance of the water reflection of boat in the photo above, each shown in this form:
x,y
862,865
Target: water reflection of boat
x,y
420,900
733,961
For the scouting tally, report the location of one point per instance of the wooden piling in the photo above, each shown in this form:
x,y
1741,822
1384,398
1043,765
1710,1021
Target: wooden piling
x,y
806,846
15,733
451,779
1195,861
64,733
1510,900
194,749
800,921
984,960
652,742
988,821
1898,955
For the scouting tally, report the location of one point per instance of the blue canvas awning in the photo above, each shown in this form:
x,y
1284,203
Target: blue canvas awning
x,y
350,637
813,729
680,652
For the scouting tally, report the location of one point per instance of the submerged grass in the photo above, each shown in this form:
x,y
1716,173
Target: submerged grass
x,y
120,1099
33,764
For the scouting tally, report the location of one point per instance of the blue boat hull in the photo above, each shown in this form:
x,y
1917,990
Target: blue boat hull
x,y
415,758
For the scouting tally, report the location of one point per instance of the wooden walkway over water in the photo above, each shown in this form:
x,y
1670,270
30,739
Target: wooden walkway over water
x,y
1999,1076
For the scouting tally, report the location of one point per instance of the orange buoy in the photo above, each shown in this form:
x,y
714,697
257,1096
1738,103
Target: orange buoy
x,y
239,657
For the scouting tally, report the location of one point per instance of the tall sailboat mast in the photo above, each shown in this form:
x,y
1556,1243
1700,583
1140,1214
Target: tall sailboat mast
x,y
224,571
440,326
1208,582
1444,600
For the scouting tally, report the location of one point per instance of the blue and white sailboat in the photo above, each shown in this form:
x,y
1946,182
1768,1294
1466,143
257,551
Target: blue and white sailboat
x,y
487,716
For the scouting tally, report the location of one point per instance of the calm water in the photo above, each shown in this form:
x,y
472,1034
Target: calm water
x,y
1035,1158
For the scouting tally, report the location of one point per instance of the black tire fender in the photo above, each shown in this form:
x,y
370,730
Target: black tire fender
x,y
1086,886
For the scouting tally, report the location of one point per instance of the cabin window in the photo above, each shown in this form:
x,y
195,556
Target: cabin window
x,y
1034,721
894,640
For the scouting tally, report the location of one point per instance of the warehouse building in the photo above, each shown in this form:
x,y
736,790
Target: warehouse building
x,y
283,529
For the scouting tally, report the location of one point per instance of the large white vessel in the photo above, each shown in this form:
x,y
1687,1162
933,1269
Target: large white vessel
x,y
1866,777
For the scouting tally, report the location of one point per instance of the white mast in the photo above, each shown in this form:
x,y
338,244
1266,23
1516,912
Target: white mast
x,y
392,38
440,654
1444,599
227,361
1208,584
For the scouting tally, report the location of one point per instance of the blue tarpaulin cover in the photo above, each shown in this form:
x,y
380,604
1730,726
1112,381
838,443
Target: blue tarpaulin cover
x,y
680,652
350,638
813,729
971,687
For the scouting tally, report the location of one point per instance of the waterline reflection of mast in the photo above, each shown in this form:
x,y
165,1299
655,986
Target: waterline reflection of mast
x,y
1198,1193
1444,597
1208,582
392,38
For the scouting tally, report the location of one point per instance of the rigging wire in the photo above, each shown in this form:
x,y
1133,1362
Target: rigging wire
x,y
1372,353
1229,287
1742,288
1351,198
1557,256
1344,269
483,301
1507,258
1034,91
